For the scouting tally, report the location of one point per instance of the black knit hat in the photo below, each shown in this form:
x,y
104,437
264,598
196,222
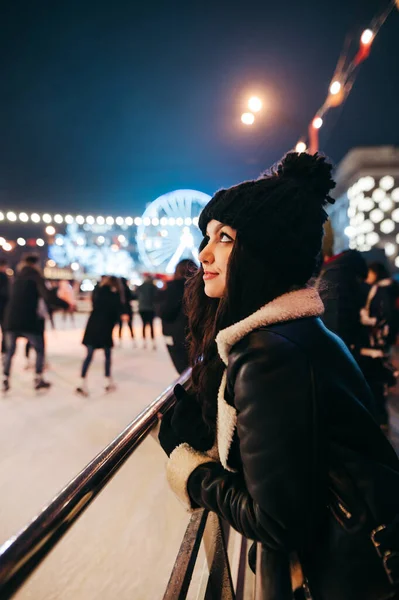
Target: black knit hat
x,y
281,214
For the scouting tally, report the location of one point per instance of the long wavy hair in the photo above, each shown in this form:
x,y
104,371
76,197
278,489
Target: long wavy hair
x,y
249,286
280,216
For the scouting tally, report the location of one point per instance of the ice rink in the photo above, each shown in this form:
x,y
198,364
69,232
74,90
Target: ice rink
x,y
125,544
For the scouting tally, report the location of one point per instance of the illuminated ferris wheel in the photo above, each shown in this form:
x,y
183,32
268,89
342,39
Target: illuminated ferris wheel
x,y
168,231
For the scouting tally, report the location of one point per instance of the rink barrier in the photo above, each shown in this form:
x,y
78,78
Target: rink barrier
x,y
22,553
224,573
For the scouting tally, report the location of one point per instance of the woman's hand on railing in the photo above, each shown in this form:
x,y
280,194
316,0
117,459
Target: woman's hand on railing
x,y
184,424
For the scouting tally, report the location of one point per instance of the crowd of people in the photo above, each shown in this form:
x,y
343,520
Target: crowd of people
x,y
27,301
362,306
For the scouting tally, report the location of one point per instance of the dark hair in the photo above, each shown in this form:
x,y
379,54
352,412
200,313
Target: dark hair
x,y
31,259
185,268
380,270
291,230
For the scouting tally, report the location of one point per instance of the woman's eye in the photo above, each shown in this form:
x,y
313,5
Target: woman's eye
x,y
224,237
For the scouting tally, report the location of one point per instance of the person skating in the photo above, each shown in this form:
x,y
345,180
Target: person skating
x,y
172,313
24,317
274,434
4,295
98,334
147,294
126,310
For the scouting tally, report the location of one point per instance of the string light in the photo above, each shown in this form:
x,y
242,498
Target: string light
x,y
11,216
47,218
300,147
39,242
50,230
21,241
23,217
367,37
335,88
317,122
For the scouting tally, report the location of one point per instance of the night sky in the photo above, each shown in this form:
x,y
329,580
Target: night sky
x,y
106,105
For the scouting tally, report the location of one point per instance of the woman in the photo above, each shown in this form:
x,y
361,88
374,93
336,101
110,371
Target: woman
x,y
289,454
105,314
174,318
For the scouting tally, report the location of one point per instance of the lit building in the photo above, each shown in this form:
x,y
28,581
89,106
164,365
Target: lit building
x,y
366,213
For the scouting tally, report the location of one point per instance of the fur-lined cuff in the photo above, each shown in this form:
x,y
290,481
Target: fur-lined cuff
x,y
182,462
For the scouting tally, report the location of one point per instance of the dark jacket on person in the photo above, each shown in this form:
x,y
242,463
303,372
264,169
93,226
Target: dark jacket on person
x,y
339,284
4,293
105,314
22,312
378,319
126,300
270,474
174,322
147,294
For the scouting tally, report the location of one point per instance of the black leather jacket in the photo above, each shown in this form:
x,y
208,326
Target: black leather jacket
x,y
273,485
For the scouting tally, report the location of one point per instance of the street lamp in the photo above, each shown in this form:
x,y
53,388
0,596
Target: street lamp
x,y
248,118
254,104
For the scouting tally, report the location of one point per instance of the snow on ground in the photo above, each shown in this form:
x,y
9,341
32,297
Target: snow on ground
x,y
125,544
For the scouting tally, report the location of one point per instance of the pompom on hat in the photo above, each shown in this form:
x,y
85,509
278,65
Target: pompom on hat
x,y
281,214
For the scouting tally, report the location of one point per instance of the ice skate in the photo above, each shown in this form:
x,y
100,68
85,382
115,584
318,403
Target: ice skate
x,y
82,390
6,384
41,384
109,385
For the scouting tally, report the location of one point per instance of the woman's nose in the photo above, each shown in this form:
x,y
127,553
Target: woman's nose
x,y
206,256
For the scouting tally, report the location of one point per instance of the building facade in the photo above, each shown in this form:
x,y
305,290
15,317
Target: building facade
x,y
366,213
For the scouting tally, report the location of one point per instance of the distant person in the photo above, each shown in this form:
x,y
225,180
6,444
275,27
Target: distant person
x,y
4,295
174,319
378,335
147,294
24,317
126,310
99,328
340,285
67,293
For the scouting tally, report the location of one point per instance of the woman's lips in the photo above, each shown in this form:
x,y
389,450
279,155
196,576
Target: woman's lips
x,y
209,275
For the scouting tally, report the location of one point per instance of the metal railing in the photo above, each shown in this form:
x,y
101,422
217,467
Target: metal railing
x,y
23,553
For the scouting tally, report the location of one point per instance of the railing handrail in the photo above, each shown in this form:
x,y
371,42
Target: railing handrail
x,y
22,553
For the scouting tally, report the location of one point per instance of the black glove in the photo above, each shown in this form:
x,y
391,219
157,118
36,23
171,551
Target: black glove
x,y
184,424
166,436
187,421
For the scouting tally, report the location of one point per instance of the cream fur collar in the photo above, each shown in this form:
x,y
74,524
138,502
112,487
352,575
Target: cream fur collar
x,y
293,305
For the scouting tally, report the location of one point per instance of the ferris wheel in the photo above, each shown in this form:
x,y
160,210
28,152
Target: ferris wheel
x,y
168,231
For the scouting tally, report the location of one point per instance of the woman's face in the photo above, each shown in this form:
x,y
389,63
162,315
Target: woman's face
x,y
371,277
215,256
